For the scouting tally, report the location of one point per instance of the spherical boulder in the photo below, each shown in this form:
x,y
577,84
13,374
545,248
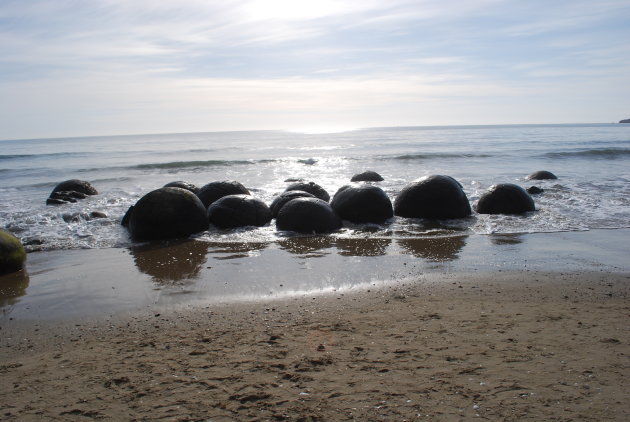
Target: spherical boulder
x,y
12,253
436,197
312,188
362,204
167,213
308,215
70,191
285,197
534,190
542,175
367,176
184,185
215,190
505,198
238,211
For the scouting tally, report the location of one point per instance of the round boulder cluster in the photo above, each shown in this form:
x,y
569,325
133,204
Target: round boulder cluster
x,y
216,190
285,197
505,198
435,197
167,213
312,188
70,191
238,211
12,253
308,215
362,204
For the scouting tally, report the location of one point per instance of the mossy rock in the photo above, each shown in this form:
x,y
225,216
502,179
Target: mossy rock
x,y
12,253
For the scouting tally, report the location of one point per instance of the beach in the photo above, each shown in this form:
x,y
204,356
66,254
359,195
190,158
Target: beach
x,y
510,345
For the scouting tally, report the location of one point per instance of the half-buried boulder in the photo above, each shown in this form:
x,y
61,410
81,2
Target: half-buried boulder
x,y
367,176
184,185
216,190
542,175
285,197
308,215
505,198
12,253
362,204
167,213
238,211
70,191
312,188
436,197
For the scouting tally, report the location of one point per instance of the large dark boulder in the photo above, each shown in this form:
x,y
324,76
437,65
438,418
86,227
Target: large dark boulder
x,y
437,196
70,191
12,253
312,188
542,175
167,213
238,211
184,185
367,176
216,190
285,197
362,204
308,215
505,198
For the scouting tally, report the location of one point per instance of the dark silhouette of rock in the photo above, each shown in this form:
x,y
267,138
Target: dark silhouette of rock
x,y
505,198
312,188
367,176
238,211
12,253
184,185
307,215
362,204
167,213
437,197
216,190
70,191
534,190
624,121
125,220
285,197
542,175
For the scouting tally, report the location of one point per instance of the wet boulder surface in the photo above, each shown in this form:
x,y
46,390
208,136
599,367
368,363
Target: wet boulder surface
x,y
362,204
435,197
310,187
70,191
167,213
505,198
12,253
216,190
542,175
367,176
308,215
285,197
238,211
184,185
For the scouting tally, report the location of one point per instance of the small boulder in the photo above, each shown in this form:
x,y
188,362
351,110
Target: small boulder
x,y
75,185
216,190
505,198
285,197
167,213
238,211
312,188
308,215
367,176
12,253
542,175
362,204
534,190
437,197
184,185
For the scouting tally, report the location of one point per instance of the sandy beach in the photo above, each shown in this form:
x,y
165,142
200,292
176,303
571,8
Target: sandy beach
x,y
497,346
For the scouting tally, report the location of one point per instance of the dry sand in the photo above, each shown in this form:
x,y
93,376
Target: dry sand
x,y
505,346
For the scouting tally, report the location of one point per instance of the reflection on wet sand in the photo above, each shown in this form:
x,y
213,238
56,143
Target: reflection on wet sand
x,y
171,261
434,248
506,239
12,287
233,250
307,246
363,247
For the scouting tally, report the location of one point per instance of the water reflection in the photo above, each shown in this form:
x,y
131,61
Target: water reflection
x,y
307,246
234,250
363,247
171,261
506,239
12,287
434,248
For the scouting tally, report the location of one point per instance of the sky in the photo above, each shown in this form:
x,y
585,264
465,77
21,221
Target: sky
x,y
108,67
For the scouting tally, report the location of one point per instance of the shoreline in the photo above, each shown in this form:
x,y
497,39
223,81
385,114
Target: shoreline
x,y
506,345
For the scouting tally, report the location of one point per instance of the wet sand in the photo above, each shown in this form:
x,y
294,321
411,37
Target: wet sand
x,y
501,345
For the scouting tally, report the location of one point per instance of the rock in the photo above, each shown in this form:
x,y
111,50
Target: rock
x,y
362,204
437,196
312,188
167,213
367,176
308,161
12,253
215,190
534,190
542,175
505,198
307,215
184,185
238,211
97,214
285,197
624,121
125,220
76,185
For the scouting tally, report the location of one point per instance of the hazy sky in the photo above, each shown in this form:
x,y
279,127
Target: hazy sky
x,y
103,67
